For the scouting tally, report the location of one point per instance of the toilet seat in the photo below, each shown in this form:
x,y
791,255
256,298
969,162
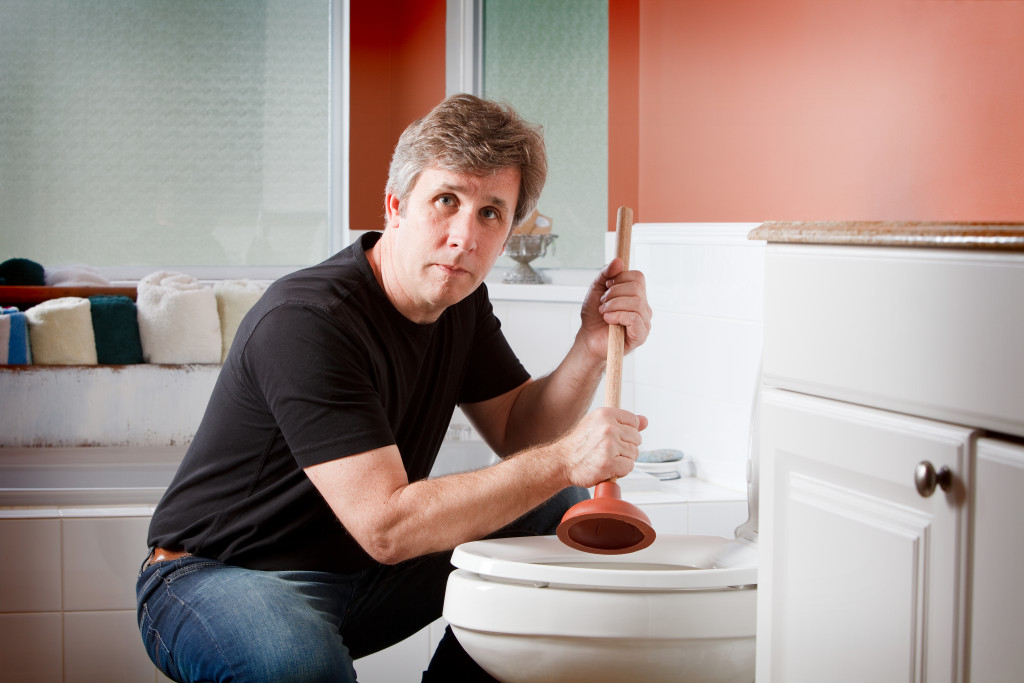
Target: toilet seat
x,y
674,562
533,610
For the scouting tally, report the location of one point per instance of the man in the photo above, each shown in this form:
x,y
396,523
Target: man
x,y
300,532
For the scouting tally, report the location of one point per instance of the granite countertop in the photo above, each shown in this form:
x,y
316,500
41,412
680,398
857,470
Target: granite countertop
x,y
1001,236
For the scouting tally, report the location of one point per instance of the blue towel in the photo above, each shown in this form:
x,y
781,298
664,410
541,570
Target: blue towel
x,y
115,324
18,350
5,338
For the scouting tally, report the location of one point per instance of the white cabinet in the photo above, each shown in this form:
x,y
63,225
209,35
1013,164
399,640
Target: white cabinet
x,y
877,360
997,603
862,571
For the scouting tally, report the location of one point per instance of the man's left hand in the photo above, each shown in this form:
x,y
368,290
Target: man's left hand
x,y
616,297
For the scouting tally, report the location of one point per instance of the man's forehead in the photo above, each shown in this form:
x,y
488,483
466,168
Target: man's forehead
x,y
505,181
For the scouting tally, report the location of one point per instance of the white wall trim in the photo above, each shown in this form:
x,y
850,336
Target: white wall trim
x,y
464,71
731,234
690,233
338,127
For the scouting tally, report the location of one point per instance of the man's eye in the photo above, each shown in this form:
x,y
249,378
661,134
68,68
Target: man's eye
x,y
489,213
447,200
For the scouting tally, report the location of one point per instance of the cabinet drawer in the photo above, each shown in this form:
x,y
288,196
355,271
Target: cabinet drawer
x,y
935,333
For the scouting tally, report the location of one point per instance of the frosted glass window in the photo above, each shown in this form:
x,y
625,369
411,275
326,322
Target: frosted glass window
x,y
549,59
155,133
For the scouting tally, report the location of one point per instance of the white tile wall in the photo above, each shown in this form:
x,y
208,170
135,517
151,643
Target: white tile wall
x,y
101,561
67,595
404,661
695,376
104,646
540,333
30,570
30,647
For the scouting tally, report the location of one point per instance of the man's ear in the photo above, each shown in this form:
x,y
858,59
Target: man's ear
x,y
391,210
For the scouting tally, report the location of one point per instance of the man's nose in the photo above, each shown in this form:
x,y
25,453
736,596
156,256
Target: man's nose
x,y
461,231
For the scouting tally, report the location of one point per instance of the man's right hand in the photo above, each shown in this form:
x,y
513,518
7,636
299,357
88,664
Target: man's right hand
x,y
604,444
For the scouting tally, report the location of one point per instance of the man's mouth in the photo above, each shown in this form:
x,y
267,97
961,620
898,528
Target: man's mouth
x,y
452,269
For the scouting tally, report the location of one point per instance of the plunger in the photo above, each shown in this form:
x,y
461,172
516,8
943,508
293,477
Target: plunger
x,y
606,524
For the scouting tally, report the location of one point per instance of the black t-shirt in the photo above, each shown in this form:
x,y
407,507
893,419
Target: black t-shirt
x,y
322,367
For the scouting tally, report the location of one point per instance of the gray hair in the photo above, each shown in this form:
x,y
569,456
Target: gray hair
x,y
474,136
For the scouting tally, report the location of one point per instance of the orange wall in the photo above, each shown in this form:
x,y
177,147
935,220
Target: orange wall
x,y
397,73
623,108
823,109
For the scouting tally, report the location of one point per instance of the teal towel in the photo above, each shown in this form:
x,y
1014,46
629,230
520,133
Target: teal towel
x,y
21,271
18,350
115,325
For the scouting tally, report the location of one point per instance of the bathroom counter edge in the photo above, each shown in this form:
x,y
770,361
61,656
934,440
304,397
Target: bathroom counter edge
x,y
1000,236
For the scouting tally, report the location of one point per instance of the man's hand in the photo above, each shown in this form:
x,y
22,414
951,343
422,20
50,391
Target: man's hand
x,y
616,297
604,444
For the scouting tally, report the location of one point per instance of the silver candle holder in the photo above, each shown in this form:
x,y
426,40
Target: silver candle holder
x,y
522,249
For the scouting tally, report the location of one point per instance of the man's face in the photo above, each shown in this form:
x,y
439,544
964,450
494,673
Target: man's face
x,y
448,234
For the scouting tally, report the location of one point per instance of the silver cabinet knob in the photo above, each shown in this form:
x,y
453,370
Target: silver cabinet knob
x,y
926,478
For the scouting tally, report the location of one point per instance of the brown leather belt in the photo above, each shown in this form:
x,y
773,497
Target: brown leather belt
x,y
164,555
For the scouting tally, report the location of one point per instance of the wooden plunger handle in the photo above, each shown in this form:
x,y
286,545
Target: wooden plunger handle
x,y
606,524
617,333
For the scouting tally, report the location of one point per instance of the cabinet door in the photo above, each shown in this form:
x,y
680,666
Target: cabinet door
x,y
861,574
997,603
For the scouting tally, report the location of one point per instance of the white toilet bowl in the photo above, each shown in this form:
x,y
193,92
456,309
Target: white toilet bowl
x,y
533,609
683,610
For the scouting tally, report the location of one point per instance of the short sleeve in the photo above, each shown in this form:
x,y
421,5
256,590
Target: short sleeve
x,y
318,382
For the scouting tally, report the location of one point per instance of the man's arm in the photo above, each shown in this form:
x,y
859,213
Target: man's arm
x,y
541,410
541,427
394,520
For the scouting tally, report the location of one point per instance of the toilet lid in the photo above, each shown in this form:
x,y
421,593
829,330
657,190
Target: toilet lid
x,y
672,562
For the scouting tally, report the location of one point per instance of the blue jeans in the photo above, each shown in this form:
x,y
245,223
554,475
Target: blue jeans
x,y
203,620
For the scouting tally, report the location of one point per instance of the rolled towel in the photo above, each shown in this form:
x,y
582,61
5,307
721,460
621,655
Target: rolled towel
x,y
75,276
60,331
115,324
178,320
19,352
234,299
23,272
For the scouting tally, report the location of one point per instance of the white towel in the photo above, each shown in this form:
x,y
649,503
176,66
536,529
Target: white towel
x,y
234,299
178,320
60,332
74,276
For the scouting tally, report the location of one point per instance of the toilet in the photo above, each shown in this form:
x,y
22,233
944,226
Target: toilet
x,y
534,610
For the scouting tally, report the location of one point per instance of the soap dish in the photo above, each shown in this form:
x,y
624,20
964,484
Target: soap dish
x,y
661,470
663,463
